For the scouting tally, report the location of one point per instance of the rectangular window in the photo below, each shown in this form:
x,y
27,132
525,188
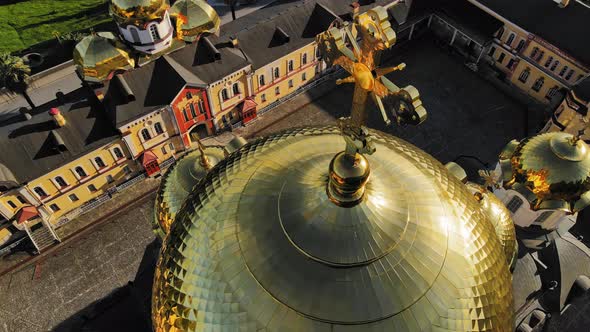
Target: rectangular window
x,y
185,115
127,169
21,199
193,111
303,77
290,83
201,106
110,179
263,97
54,207
164,150
171,146
290,65
11,204
492,51
510,64
73,198
92,188
277,91
501,58
514,204
277,72
543,217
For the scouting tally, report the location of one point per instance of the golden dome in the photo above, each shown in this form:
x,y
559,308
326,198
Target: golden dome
x,y
551,170
137,12
99,55
193,18
258,244
501,218
178,182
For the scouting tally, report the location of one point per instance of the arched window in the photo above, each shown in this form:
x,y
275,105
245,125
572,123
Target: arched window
x,y
290,65
277,72
40,192
551,93
146,134
539,84
520,45
540,56
154,32
510,39
563,70
201,106
118,153
548,62
569,75
534,52
134,35
60,182
524,75
191,106
224,95
554,65
261,80
500,33
304,58
80,171
99,162
236,88
158,128
514,204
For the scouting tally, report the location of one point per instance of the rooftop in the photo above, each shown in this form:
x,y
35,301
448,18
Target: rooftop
x,y
559,26
29,147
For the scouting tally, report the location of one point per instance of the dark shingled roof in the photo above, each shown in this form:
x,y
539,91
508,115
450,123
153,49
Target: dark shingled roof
x,y
154,86
562,27
480,24
28,148
582,89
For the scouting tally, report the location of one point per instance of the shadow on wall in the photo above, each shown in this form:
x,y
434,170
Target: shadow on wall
x,y
126,309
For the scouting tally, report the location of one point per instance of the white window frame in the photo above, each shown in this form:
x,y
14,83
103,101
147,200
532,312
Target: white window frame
x,y
90,191
37,195
141,138
290,66
99,169
304,56
72,200
112,150
76,173
57,185
276,77
261,78
171,146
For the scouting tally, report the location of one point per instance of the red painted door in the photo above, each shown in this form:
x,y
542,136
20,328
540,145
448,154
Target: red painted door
x,y
152,167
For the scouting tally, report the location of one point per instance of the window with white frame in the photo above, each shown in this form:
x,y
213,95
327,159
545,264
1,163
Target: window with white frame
x,y
73,198
224,95
277,72
569,75
158,128
54,207
543,217
145,134
514,204
290,83
263,97
563,70
236,89
304,59
99,162
277,91
61,183
552,92
520,45
40,192
154,32
171,146
539,84
118,153
524,75
548,62
92,188
510,39
534,52
80,172
303,77
290,65
261,80
554,65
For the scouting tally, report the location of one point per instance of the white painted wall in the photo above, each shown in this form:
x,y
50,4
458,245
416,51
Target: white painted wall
x,y
147,42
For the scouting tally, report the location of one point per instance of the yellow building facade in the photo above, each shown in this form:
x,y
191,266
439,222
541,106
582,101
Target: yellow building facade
x,y
285,75
226,95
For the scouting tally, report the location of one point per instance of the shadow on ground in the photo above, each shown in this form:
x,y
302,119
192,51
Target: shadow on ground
x,y
126,308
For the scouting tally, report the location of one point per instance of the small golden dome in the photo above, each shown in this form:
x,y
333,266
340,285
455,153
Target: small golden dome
x,y
551,170
137,12
258,244
99,55
178,182
193,18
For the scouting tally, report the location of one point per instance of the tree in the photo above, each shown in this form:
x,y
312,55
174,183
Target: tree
x,y
232,6
14,75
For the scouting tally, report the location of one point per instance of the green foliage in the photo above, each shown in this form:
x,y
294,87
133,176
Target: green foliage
x,y
29,22
14,73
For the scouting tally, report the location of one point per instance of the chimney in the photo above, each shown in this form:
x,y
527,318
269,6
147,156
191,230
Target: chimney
x,y
125,89
213,51
25,113
562,3
356,8
59,120
234,42
57,141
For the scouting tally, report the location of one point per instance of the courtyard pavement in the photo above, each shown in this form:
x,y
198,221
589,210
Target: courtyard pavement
x,y
86,286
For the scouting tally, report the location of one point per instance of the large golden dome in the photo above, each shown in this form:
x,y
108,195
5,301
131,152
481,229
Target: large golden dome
x,y
138,11
259,244
99,55
551,170
193,18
